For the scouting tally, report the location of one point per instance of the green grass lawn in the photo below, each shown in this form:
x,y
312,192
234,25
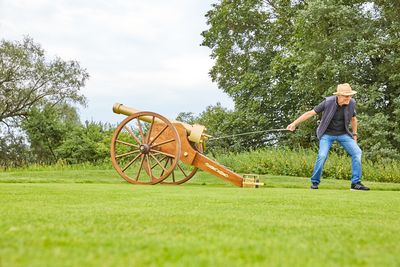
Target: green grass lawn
x,y
94,218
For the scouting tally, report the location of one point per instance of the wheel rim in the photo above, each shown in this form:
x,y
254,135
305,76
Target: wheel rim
x,y
139,146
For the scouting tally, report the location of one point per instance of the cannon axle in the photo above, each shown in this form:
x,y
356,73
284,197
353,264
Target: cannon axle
x,y
144,148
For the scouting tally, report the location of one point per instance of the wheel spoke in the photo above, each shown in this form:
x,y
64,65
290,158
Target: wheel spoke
x,y
159,163
140,168
163,143
131,162
164,153
141,130
155,138
132,134
165,165
126,143
127,154
156,152
151,128
179,166
173,175
148,166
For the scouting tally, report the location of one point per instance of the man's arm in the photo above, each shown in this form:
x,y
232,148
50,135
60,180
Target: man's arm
x,y
354,127
304,117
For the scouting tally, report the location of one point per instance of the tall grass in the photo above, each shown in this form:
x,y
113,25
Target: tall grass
x,y
300,162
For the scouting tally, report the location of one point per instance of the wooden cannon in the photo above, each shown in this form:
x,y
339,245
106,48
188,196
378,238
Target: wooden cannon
x,y
147,148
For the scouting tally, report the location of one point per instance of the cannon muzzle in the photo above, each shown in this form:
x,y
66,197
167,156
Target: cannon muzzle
x,y
195,133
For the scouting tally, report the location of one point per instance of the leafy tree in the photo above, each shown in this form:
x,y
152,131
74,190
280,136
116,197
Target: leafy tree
x,y
218,121
279,58
28,79
47,129
249,42
381,135
186,117
14,151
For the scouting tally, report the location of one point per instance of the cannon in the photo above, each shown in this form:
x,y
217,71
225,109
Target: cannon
x,y
147,148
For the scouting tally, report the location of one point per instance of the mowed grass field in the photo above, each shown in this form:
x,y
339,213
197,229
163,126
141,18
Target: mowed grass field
x,y
94,218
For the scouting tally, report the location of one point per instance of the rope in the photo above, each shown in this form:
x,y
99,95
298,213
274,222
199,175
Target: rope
x,y
248,133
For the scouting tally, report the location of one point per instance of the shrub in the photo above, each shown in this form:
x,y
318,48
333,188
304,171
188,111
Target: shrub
x,y
300,162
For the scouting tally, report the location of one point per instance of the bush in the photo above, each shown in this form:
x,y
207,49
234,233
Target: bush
x,y
300,162
88,143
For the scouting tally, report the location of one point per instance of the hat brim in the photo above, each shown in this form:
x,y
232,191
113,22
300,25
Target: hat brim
x,y
346,94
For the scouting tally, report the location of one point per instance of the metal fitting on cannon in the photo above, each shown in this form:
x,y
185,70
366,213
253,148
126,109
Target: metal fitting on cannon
x,y
251,180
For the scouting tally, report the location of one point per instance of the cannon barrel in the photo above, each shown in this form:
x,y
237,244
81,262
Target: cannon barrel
x,y
195,133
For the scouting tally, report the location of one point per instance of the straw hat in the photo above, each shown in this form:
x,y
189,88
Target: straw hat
x,y
344,89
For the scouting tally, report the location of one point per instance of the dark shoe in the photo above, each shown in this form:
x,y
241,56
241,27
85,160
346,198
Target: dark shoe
x,y
314,186
359,186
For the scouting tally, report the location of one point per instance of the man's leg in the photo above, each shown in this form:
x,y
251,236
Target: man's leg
x,y
355,152
324,145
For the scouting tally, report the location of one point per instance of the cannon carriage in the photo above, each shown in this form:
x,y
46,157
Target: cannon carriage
x,y
147,148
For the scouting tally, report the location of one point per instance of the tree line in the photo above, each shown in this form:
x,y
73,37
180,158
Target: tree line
x,y
275,58
280,58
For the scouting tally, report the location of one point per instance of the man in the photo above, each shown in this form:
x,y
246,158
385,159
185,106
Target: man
x,y
338,112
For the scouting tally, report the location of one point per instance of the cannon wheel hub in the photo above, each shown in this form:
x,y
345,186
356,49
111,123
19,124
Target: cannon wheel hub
x,y
144,148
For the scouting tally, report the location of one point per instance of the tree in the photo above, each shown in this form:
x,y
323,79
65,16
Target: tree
x,y
28,79
249,41
381,113
47,128
279,58
14,150
186,117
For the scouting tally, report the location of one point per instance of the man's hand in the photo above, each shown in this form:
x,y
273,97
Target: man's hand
x,y
291,127
355,138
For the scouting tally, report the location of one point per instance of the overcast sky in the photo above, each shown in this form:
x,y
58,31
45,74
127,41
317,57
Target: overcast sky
x,y
144,54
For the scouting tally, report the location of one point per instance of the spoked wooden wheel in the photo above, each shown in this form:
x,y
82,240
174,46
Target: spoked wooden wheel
x,y
182,172
140,145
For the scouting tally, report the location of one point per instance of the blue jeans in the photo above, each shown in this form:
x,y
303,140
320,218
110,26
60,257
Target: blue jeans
x,y
349,145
